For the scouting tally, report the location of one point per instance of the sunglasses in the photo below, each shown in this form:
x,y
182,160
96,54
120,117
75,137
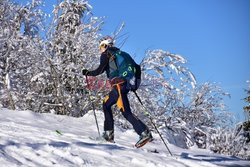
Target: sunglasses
x,y
103,46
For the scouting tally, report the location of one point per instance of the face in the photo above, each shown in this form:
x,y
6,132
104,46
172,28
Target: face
x,y
103,48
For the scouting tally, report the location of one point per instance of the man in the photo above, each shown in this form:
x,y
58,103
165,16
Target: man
x,y
109,62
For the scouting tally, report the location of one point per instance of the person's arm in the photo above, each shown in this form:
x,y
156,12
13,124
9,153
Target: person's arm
x,y
103,63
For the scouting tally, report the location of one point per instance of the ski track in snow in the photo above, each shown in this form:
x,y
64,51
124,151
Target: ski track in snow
x,y
30,139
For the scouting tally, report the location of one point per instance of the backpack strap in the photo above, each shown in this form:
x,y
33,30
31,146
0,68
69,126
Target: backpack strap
x,y
110,54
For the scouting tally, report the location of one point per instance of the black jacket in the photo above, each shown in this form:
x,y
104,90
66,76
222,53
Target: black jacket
x,y
104,63
104,66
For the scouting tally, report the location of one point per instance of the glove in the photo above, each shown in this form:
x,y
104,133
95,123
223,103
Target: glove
x,y
85,72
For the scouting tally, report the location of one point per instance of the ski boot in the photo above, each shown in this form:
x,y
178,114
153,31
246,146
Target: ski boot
x,y
145,137
108,136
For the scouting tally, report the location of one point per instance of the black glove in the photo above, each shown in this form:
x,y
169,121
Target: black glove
x,y
85,72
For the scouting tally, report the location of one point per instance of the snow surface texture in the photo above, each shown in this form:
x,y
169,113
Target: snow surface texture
x,y
30,139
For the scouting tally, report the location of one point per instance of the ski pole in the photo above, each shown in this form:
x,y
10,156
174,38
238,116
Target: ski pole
x,y
151,120
93,106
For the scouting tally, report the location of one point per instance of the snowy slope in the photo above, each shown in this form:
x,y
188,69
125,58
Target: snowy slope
x,y
30,139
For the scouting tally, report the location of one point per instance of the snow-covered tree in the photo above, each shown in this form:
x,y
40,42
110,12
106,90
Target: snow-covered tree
x,y
72,45
206,107
178,105
165,81
206,111
247,100
246,124
20,48
232,140
45,76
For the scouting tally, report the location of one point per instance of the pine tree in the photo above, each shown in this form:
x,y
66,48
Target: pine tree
x,y
246,124
247,100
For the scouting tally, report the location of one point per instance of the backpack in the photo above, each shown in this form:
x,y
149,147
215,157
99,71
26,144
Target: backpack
x,y
122,66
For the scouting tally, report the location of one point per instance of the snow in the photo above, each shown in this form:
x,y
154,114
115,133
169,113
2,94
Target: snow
x,y
30,139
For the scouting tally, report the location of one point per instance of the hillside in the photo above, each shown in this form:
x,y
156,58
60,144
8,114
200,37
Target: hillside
x,y
30,139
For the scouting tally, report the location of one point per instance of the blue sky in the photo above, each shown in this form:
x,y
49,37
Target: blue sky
x,y
213,35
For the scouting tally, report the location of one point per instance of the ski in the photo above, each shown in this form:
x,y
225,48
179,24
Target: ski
x,y
58,132
100,140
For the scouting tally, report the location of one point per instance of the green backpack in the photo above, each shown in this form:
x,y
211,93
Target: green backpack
x,y
122,66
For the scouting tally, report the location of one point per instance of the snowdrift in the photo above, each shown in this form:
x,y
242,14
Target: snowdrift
x,y
33,139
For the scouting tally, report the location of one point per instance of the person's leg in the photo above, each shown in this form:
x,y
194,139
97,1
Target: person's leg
x,y
137,124
109,100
